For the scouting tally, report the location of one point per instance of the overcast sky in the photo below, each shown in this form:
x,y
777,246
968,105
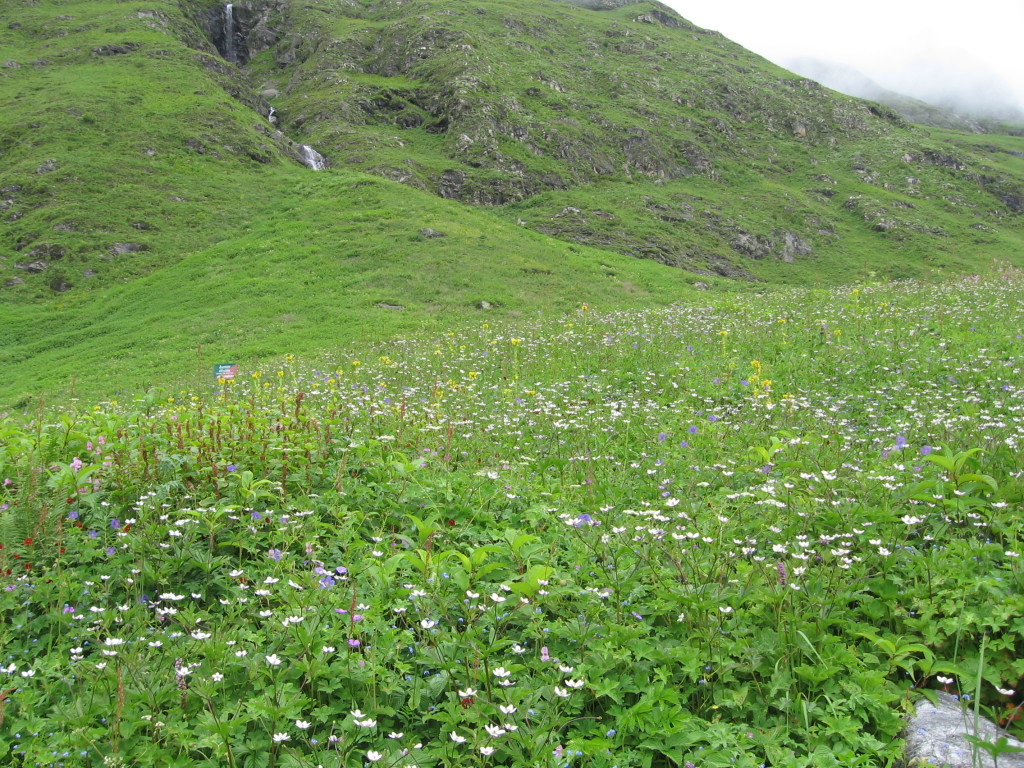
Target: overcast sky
x,y
917,47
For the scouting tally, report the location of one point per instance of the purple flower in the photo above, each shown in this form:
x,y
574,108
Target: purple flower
x,y
901,442
693,429
275,555
110,551
712,418
353,642
232,467
93,534
683,444
73,514
76,464
115,523
925,450
661,437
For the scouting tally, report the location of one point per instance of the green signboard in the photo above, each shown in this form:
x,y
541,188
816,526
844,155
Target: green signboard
x,y
225,370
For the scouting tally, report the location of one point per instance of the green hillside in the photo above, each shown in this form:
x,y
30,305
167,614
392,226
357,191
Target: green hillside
x,y
155,212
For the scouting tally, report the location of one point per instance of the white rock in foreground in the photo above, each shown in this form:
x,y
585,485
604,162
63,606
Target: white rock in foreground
x,y
935,736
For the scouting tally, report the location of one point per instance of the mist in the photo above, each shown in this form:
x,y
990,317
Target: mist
x,y
962,57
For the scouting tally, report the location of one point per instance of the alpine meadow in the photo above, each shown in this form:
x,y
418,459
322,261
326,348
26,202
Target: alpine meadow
x,y
526,383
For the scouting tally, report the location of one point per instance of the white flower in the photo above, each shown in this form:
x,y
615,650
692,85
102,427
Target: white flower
x,y
561,692
497,598
279,737
358,713
517,648
506,710
428,623
373,756
217,677
367,723
113,641
486,751
944,680
725,608
565,668
28,673
302,724
501,672
1005,691
494,731
575,683
467,693
395,735
273,660
456,738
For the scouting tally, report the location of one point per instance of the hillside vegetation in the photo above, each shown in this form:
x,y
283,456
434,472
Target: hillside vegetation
x,y
156,215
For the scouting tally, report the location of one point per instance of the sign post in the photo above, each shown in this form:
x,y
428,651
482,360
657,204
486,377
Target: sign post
x,y
225,371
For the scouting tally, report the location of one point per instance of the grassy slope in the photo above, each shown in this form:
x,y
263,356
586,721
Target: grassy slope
x,y
519,91
160,146
220,223
275,290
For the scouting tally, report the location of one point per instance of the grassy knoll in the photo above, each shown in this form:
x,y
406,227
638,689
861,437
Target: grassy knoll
x,y
747,530
276,288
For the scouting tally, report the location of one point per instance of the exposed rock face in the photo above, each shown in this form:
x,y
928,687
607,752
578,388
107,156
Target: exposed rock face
x,y
602,5
935,736
120,249
51,251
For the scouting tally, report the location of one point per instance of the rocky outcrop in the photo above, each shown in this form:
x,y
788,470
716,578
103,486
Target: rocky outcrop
x,y
937,735
785,246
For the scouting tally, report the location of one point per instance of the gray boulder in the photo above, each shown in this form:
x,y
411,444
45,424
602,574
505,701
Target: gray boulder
x,y
935,737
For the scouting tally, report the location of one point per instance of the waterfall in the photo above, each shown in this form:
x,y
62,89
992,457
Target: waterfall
x,y
229,34
312,158
272,117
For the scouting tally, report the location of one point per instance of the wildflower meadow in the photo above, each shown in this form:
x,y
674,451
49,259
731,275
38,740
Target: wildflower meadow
x,y
745,532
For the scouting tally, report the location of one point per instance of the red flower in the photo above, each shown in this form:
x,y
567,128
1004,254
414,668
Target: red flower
x,y
466,703
28,542
451,523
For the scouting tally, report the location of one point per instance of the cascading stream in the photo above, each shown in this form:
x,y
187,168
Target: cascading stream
x,y
229,34
312,158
